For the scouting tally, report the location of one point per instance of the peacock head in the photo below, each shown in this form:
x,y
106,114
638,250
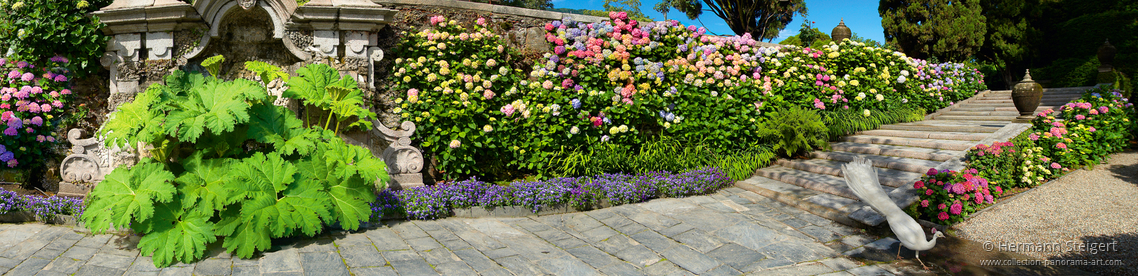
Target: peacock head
x,y
937,234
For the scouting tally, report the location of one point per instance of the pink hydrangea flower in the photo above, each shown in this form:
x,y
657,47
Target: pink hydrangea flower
x,y
1055,165
931,172
37,121
956,208
925,203
929,192
919,184
942,216
13,74
1080,117
1033,137
28,77
507,109
1061,145
941,206
60,78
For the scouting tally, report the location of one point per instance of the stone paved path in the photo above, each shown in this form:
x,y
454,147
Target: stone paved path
x,y
731,232
901,152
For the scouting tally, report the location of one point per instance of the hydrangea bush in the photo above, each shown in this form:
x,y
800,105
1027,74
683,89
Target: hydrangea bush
x,y
1012,165
624,81
580,193
947,197
33,99
1091,128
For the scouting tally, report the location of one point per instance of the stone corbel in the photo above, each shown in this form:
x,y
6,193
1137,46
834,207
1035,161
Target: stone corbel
x,y
325,42
404,162
160,45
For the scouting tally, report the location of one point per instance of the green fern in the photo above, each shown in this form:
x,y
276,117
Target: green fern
x,y
797,130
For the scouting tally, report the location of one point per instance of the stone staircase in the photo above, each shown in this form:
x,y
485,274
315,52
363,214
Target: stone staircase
x,y
901,152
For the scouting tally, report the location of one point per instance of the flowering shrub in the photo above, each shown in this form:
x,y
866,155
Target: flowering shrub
x,y
624,81
582,193
947,197
33,99
28,33
1008,165
45,208
1093,127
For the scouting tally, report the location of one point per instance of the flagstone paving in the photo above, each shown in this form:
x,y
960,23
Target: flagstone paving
x,y
731,232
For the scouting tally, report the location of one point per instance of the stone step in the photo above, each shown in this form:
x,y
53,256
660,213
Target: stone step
x,y
999,108
888,162
887,177
818,182
935,122
964,136
927,127
1046,95
976,118
897,151
981,113
911,142
1044,101
797,196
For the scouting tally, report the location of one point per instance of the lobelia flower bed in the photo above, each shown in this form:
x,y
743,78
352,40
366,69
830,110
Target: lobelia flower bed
x,y
544,197
53,209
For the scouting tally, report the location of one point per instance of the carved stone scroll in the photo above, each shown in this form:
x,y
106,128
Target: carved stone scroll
x,y
404,162
88,164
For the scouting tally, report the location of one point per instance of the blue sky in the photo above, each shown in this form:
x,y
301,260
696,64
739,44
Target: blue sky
x,y
860,15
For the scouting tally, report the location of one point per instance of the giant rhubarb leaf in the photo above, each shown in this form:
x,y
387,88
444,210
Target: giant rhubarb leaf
x,y
175,235
205,184
278,126
215,105
128,195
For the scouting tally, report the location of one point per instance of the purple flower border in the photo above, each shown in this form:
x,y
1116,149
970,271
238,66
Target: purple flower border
x,y
580,193
45,208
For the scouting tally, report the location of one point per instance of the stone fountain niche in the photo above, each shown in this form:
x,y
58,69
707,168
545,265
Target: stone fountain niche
x,y
151,38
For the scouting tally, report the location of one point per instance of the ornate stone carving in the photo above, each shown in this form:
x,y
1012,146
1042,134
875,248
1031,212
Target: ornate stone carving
x,y
404,162
88,164
160,45
247,4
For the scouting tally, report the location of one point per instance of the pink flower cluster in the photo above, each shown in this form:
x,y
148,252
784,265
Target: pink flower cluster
x,y
29,98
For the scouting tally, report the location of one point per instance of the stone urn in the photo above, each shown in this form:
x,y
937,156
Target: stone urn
x,y
840,32
1106,54
1025,96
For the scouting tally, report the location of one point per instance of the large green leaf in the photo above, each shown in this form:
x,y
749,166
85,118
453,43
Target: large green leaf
x,y
205,184
345,160
175,235
243,239
350,198
266,71
265,174
128,195
278,126
310,84
349,195
216,105
136,121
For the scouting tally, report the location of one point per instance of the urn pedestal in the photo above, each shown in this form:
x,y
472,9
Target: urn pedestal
x,y
1026,95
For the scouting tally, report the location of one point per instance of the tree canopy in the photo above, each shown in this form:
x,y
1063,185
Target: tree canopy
x,y
948,30
763,19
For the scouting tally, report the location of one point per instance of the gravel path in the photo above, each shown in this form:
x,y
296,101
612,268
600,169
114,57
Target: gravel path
x,y
1084,207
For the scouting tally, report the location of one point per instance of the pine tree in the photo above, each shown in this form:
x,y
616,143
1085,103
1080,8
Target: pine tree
x,y
948,30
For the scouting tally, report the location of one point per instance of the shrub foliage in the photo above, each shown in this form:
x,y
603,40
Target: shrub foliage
x,y
227,163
